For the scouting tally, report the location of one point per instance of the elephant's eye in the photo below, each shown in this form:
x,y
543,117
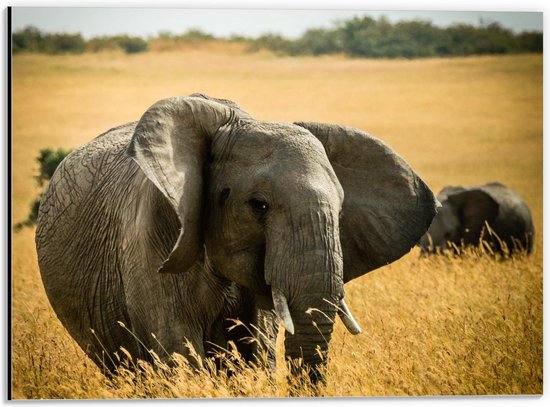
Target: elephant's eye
x,y
259,207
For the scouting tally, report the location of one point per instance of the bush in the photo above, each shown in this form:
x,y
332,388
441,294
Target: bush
x,y
48,161
64,44
320,41
32,40
195,35
132,45
530,41
27,39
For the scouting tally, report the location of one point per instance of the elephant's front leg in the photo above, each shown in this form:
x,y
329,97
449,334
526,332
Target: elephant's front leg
x,y
246,328
255,339
267,327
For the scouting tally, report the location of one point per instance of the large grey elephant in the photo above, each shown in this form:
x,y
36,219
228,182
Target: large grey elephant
x,y
489,213
199,213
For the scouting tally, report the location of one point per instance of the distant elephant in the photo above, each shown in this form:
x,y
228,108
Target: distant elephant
x,y
199,213
489,213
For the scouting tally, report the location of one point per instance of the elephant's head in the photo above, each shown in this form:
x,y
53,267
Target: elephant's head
x,y
460,220
290,211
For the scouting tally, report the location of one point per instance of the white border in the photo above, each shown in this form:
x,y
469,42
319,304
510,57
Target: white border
x,y
449,5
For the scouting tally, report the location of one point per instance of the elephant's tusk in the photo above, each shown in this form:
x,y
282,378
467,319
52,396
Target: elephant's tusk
x,y
347,318
281,309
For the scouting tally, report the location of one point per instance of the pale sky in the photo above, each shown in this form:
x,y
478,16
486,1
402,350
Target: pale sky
x,y
94,21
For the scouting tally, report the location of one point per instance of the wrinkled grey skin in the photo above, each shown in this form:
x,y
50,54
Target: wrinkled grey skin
x,y
465,210
192,215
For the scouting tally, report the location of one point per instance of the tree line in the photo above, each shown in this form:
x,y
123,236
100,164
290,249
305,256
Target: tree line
x,y
357,37
31,39
367,37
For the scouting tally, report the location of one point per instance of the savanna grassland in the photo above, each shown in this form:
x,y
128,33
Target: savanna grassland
x,y
431,326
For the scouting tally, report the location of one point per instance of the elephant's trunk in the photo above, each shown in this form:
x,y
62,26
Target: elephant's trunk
x,y
308,346
305,270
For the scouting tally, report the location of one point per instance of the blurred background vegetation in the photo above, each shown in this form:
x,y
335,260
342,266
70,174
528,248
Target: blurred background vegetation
x,y
356,37
48,160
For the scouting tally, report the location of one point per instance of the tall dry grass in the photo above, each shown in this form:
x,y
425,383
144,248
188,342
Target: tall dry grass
x,y
432,326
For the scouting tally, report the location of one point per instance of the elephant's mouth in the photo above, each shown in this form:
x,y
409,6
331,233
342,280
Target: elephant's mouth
x,y
280,305
264,300
273,298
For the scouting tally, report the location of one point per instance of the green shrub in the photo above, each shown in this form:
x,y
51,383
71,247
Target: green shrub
x,y
48,161
64,44
32,40
195,35
132,45
28,39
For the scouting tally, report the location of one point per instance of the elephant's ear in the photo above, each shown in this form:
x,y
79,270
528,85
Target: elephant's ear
x,y
387,207
171,144
229,103
474,207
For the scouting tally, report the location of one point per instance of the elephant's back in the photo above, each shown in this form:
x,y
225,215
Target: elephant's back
x,y
512,203
514,217
78,176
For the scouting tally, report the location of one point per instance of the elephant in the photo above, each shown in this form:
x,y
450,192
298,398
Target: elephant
x,y
491,215
155,234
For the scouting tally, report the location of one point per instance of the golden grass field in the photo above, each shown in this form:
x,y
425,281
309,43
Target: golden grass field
x,y
431,326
